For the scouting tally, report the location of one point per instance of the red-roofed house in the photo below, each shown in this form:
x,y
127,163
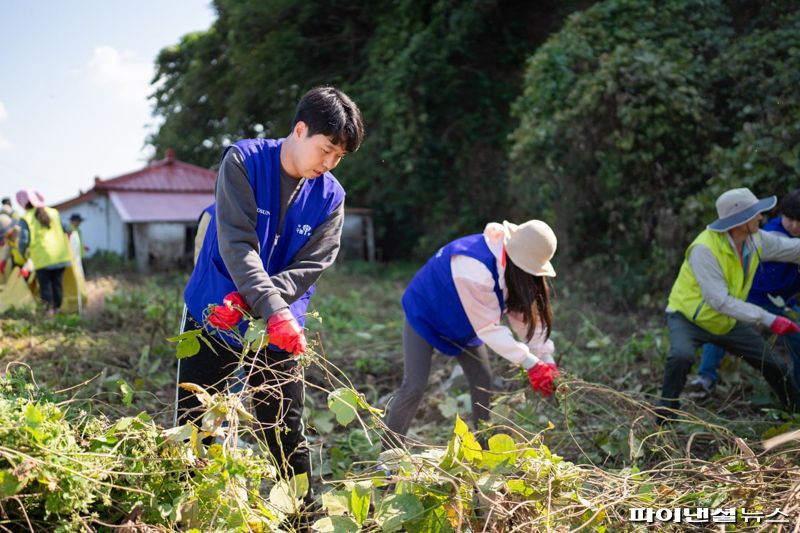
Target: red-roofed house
x,y
149,215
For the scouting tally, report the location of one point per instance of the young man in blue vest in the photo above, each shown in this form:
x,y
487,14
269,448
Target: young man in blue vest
x,y
275,227
773,282
707,302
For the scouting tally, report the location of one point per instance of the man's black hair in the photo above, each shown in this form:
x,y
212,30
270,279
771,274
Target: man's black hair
x,y
6,201
332,113
790,205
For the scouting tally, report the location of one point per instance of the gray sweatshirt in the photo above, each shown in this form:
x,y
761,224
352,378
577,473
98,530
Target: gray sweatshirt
x,y
239,244
710,278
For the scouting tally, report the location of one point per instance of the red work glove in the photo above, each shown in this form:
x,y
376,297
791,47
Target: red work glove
x,y
541,377
24,273
227,315
285,333
783,326
2,266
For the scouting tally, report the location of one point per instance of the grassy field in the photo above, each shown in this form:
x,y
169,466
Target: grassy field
x,y
114,362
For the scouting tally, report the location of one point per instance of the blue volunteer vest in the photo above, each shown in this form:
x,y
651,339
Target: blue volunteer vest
x,y
316,200
775,278
431,302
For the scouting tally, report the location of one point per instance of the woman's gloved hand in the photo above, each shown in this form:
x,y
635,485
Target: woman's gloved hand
x,y
541,376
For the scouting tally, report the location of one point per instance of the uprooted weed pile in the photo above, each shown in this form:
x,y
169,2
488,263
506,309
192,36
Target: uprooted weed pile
x,y
103,454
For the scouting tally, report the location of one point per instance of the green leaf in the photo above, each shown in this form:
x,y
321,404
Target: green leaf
x,y
434,520
470,447
322,421
33,422
33,416
127,392
519,486
343,403
360,496
336,502
287,496
449,407
9,484
256,331
335,524
502,451
188,343
299,485
396,509
180,433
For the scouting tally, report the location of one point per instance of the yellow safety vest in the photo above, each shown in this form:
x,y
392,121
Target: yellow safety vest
x,y
15,255
48,246
686,296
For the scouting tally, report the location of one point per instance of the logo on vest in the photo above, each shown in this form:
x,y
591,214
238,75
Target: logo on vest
x,y
262,211
303,229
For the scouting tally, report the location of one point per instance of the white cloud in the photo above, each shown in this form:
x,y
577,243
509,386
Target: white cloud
x,y
3,112
128,76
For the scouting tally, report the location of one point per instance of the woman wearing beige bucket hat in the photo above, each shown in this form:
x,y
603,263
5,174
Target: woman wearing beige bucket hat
x,y
455,303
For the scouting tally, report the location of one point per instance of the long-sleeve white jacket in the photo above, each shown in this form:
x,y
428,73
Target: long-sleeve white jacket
x,y
475,288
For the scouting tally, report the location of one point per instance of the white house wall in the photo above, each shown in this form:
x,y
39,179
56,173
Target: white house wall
x,y
102,229
160,244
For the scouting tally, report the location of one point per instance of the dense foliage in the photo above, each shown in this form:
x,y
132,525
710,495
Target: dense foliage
x,y
638,114
434,81
629,116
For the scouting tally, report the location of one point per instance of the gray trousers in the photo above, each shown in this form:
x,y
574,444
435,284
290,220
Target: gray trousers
x,y
743,341
416,370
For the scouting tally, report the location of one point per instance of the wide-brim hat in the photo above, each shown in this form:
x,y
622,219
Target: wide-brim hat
x,y
6,223
32,196
76,216
739,206
530,246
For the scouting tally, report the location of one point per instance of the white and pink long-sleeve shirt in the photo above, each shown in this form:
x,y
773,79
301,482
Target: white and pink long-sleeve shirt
x,y
475,287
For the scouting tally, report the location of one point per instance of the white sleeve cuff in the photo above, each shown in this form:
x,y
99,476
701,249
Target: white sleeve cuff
x,y
530,361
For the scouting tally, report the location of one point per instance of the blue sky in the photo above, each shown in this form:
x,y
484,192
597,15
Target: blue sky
x,y
74,80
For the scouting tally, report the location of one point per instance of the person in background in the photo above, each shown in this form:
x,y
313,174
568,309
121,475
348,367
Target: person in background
x,y
7,209
75,220
8,227
48,249
706,303
774,281
455,304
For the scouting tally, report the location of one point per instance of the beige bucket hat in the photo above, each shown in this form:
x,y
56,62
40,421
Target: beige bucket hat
x,y
738,206
531,246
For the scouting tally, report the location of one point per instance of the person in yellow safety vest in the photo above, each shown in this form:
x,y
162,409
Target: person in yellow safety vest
x,y
48,249
7,227
13,234
75,226
707,302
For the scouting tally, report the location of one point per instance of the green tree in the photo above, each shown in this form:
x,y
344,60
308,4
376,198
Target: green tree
x,y
635,107
758,79
434,81
616,118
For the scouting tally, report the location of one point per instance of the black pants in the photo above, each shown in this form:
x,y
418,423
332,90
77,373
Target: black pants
x,y
276,387
51,286
743,341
